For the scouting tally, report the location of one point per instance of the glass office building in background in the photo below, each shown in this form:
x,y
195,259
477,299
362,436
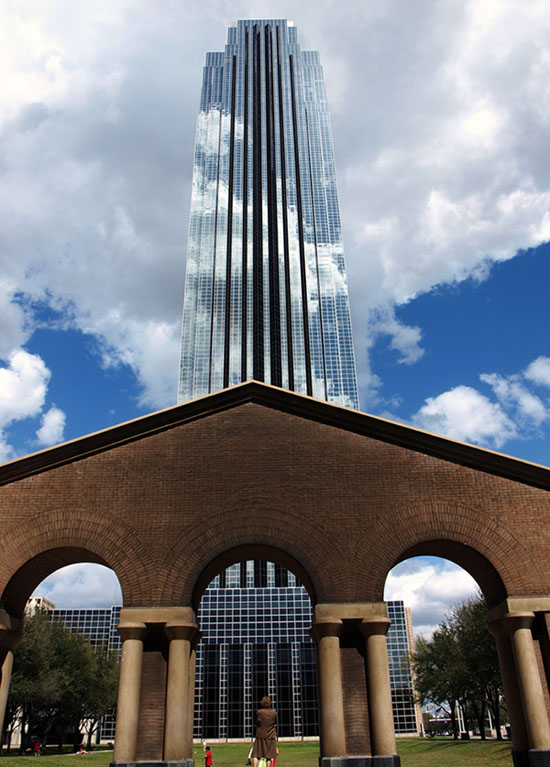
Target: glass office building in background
x,y
255,620
266,295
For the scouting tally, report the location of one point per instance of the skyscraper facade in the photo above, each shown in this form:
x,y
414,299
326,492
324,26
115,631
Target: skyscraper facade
x,y
266,294
255,621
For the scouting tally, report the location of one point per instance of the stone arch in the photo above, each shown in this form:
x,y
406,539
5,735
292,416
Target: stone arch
x,y
471,538
287,539
34,549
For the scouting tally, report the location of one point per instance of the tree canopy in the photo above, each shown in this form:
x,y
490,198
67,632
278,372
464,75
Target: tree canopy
x,y
458,666
59,677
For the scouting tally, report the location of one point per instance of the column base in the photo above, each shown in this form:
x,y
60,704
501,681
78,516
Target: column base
x,y
539,757
157,763
363,761
520,757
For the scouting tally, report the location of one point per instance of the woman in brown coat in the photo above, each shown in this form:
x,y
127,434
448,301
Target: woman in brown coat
x,y
265,744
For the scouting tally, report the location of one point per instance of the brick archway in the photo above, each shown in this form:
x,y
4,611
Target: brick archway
x,y
248,531
491,554
35,549
336,495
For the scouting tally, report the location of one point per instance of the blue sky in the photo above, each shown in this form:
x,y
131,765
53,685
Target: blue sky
x,y
440,122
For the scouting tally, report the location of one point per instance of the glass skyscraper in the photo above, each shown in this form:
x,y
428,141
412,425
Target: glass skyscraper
x,y
266,296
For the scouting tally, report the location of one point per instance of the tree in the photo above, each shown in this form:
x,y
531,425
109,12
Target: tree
x,y
439,672
480,656
102,694
459,666
58,677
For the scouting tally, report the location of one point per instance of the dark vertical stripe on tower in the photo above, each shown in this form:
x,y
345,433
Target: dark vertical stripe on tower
x,y
273,240
244,272
228,302
257,245
286,254
320,297
307,350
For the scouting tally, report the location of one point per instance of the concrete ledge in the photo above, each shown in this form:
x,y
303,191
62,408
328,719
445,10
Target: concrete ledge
x,y
361,761
158,763
520,757
539,757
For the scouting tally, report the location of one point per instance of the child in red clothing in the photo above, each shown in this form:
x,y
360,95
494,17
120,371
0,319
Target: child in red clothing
x,y
208,757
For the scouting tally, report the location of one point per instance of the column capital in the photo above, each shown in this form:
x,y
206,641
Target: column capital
x,y
11,630
134,630
514,621
497,628
374,626
9,639
320,629
189,631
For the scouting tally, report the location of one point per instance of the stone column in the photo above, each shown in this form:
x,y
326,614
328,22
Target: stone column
x,y
329,678
532,696
191,694
512,693
129,689
10,636
178,745
378,686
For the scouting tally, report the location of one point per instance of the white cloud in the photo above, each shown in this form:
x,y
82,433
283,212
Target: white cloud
x,y
465,414
12,321
405,339
81,585
539,371
23,389
430,587
513,394
51,427
23,386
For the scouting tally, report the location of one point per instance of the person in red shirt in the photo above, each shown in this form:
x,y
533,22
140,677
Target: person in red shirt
x,y
207,757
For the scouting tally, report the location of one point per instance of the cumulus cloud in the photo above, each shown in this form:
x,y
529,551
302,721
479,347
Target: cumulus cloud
x,y
443,165
465,414
512,393
51,427
23,386
405,339
430,586
81,585
539,371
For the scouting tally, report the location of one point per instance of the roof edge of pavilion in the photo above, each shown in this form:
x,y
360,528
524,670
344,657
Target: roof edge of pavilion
x,y
287,401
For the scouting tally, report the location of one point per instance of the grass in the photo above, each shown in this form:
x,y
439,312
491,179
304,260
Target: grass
x,y
414,752
446,752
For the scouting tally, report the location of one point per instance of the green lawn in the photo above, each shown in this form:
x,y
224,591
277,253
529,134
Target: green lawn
x,y
415,752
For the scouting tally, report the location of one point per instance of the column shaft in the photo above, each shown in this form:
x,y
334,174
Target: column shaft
x,y
512,693
176,731
178,724
191,695
378,685
11,633
129,690
331,699
7,666
532,696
